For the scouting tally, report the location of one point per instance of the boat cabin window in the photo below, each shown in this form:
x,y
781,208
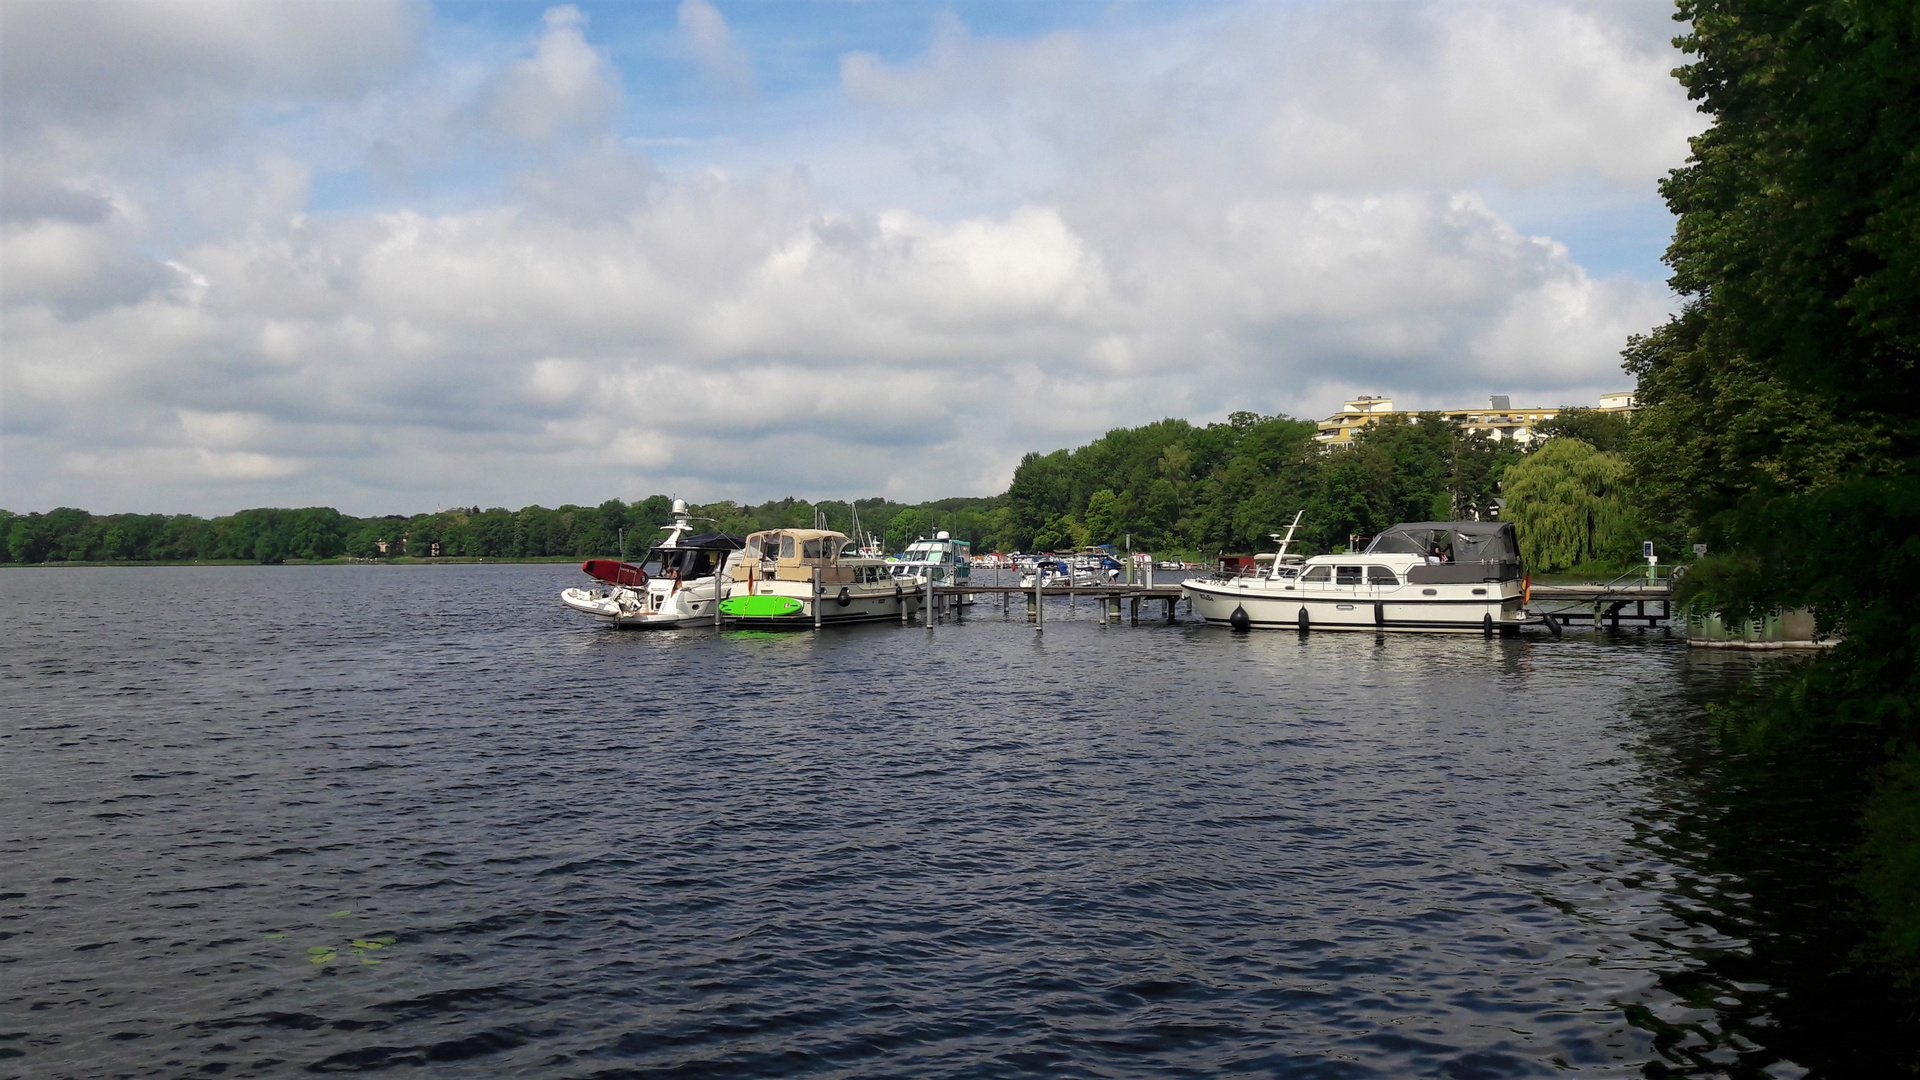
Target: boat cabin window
x,y
786,547
1346,575
810,549
1380,575
1317,573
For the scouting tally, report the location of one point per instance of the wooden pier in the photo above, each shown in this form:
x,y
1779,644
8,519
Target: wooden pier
x,y
1634,601
1111,597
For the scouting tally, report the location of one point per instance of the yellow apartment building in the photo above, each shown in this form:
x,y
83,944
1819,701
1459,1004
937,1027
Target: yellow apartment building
x,y
1499,417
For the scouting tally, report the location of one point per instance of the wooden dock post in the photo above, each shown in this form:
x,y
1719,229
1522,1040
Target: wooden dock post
x,y
1133,610
928,612
1039,606
816,598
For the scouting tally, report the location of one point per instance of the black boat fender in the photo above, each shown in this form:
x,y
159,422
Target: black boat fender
x,y
1240,620
1303,618
845,597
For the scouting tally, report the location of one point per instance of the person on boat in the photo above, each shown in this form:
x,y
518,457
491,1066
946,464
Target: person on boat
x,y
1435,556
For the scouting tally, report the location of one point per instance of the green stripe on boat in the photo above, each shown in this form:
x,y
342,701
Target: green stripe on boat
x,y
759,607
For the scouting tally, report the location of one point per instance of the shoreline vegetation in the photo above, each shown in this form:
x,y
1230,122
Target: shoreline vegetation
x,y
1170,487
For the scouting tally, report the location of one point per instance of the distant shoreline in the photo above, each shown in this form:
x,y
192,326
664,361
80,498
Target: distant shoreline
x,y
403,560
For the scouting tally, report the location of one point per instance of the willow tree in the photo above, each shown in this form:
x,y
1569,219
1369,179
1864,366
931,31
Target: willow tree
x,y
1568,502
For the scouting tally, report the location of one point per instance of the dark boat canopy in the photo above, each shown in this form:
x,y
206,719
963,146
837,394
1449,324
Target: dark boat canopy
x,y
1469,541
1468,550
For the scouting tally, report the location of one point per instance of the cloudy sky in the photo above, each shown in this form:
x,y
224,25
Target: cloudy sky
x,y
387,256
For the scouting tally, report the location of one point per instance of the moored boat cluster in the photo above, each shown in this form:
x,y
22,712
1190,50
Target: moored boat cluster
x,y
1460,576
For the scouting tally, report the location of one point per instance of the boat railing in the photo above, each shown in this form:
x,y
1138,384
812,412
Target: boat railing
x,y
1644,575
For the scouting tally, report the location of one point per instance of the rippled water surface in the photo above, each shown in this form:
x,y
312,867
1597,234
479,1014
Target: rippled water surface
x,y
566,851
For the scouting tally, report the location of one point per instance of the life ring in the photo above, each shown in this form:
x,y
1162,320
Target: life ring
x,y
845,597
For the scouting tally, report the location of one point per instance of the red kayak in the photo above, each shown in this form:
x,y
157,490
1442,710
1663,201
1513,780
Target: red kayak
x,y
614,573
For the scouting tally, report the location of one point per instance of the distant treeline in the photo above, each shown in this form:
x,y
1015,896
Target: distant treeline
x,y
317,533
1168,486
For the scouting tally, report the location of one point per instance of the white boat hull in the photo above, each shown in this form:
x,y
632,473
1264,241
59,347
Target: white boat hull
x,y
1272,604
645,607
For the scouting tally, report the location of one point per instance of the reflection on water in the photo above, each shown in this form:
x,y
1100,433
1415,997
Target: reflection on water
x,y
352,818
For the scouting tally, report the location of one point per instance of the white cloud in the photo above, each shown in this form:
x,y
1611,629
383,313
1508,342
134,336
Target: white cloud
x,y
1255,209
724,63
566,85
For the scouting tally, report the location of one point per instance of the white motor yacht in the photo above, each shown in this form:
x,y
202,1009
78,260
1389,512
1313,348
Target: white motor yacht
x,y
1459,576
675,585
946,560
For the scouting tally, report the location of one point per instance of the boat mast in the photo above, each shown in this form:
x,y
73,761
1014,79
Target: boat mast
x,y
1288,539
1285,542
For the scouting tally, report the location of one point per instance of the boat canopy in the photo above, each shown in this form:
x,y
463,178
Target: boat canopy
x,y
1468,550
693,556
1462,541
794,545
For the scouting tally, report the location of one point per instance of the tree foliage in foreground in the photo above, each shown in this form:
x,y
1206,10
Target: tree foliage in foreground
x,y
1781,407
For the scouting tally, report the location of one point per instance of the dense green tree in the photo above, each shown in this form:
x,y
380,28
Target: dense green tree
x,y
1063,533
1780,410
906,527
1568,502
1602,429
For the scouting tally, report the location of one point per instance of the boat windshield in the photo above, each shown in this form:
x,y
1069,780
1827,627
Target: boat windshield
x,y
688,562
1396,543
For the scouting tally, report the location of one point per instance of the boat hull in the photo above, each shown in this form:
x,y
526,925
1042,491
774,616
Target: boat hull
x,y
1272,606
877,606
628,607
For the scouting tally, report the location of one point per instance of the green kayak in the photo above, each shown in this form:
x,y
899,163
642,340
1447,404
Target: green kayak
x,y
760,607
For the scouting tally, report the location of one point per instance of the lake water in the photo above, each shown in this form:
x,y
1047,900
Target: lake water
x,y
965,850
